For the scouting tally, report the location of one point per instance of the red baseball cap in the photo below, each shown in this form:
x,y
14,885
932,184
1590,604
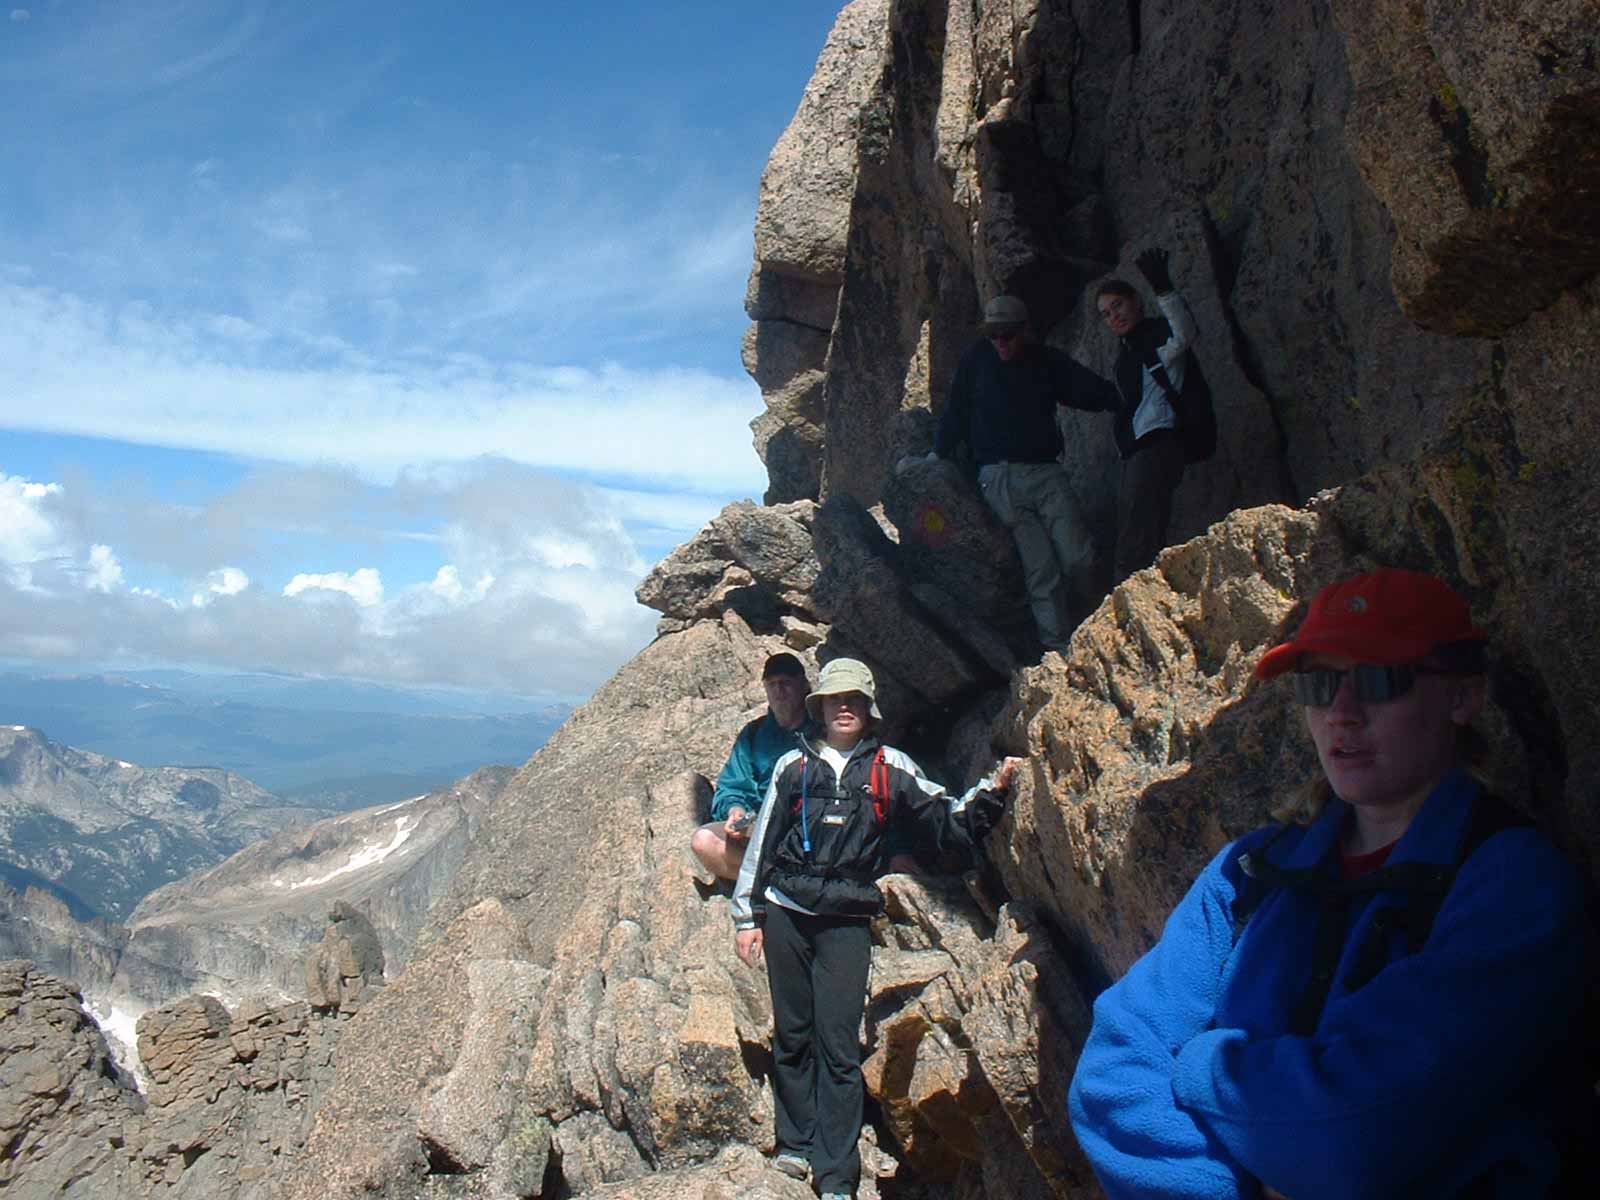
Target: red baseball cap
x,y
1385,616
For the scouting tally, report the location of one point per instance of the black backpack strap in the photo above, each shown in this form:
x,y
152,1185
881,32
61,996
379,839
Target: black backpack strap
x,y
1332,918
1490,815
1260,876
1424,885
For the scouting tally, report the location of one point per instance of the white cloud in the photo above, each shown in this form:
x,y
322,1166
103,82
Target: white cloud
x,y
131,375
364,586
27,533
224,581
447,585
105,572
530,588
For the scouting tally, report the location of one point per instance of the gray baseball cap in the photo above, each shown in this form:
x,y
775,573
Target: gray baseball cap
x,y
840,676
1004,312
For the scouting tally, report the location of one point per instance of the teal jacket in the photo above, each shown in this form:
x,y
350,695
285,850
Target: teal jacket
x,y
744,778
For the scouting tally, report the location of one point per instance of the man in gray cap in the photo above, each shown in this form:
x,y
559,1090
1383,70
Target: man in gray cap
x,y
1002,405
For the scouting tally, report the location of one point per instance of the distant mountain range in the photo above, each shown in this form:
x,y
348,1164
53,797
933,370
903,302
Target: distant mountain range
x,y
326,744
100,833
144,878
245,926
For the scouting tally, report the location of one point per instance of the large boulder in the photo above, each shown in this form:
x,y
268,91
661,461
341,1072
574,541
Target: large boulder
x,y
347,963
1476,127
757,561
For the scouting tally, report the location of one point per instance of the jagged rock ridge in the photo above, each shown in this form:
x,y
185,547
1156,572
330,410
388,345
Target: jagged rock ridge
x,y
581,972
100,833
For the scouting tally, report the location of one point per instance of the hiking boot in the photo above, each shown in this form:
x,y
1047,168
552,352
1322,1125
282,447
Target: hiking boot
x,y
792,1165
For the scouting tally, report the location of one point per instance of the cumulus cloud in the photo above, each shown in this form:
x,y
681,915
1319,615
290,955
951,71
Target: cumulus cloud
x,y
224,581
447,585
27,532
105,572
522,581
364,586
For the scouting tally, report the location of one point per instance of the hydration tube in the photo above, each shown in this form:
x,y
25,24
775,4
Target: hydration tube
x,y
805,829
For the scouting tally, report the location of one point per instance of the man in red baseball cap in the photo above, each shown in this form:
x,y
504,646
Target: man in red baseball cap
x,y
1375,998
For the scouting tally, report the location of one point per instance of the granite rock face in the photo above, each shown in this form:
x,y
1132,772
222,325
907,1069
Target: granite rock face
x,y
572,1019
802,227
62,1106
230,1096
1477,126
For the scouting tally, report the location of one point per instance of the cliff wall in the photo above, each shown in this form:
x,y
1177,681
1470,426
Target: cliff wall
x,y
1380,211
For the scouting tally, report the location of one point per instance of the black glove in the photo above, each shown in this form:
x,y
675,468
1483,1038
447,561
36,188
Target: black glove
x,y
1152,265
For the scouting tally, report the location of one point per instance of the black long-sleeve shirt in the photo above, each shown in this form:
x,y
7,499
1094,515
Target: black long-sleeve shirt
x,y
1006,411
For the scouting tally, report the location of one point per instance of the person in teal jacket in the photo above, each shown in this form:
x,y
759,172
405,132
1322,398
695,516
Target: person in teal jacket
x,y
1374,999
742,785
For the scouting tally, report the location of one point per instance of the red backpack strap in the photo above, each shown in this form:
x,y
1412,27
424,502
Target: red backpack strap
x,y
878,781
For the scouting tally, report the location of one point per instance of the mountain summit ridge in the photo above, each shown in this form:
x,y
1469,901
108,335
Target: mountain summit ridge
x,y
572,1020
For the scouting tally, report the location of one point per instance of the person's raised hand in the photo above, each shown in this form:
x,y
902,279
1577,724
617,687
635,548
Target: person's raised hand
x,y
1152,264
1007,774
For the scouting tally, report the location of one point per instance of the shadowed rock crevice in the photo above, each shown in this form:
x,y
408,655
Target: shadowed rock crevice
x,y
573,1020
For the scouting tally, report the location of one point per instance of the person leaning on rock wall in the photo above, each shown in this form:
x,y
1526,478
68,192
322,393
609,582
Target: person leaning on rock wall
x,y
806,895
719,844
1163,412
1373,999
1002,404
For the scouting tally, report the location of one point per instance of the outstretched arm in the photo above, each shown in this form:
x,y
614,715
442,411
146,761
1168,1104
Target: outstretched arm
x,y
1076,386
941,823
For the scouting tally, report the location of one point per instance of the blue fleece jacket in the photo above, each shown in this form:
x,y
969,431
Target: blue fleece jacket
x,y
747,772
1412,1085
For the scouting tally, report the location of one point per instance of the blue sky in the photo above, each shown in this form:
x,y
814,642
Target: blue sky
x,y
390,341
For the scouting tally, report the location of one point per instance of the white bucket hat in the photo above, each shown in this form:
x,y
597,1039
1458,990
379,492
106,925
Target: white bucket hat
x,y
840,676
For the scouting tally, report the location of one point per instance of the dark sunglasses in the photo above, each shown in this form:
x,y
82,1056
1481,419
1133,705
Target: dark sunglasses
x,y
1374,684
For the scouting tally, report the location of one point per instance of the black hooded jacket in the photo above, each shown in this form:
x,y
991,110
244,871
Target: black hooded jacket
x,y
820,841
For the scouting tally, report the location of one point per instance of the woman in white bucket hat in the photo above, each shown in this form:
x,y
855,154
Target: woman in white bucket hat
x,y
806,894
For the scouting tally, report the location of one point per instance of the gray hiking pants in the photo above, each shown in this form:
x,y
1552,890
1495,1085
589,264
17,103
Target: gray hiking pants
x,y
1035,503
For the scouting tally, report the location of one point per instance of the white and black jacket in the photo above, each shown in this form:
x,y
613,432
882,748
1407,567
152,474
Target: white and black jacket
x,y
819,841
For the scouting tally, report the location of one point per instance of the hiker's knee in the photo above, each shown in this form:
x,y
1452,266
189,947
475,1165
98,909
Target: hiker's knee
x,y
708,845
